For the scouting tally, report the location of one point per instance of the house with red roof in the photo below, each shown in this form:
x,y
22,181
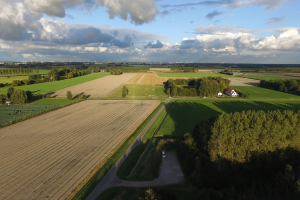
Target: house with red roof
x,y
230,92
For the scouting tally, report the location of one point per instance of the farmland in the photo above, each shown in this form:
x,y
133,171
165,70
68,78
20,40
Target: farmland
x,y
185,114
50,155
44,88
97,88
263,93
17,112
266,77
149,78
243,82
194,75
138,90
12,78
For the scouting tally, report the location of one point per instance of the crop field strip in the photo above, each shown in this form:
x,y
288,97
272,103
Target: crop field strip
x,y
46,162
147,78
101,87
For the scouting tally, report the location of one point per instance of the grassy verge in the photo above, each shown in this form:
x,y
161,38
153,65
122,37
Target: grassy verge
x,y
134,156
138,91
83,191
44,88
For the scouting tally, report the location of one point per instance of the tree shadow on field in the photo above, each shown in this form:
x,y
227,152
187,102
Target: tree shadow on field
x,y
77,95
183,117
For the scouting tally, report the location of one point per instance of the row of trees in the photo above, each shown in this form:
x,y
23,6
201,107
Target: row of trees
x,y
16,96
183,69
13,72
245,154
285,69
203,87
120,70
287,85
66,73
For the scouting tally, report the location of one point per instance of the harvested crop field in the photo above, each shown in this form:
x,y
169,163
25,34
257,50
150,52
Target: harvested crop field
x,y
100,87
243,82
47,157
149,78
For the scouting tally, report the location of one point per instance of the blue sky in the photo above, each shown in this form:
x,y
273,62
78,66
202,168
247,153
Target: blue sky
x,y
236,31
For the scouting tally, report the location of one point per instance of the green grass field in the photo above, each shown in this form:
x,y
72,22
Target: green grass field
x,y
194,75
263,93
44,88
185,114
265,77
136,90
10,80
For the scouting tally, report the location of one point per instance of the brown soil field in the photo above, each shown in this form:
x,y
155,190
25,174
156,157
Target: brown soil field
x,y
149,78
243,82
100,87
47,157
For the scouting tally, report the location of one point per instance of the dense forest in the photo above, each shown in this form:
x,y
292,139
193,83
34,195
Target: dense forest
x,y
285,69
203,87
183,69
120,70
247,155
288,85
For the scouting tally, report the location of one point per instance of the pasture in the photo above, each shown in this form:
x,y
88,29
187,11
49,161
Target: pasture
x,y
101,87
194,75
50,155
44,88
12,78
266,77
263,93
185,114
137,90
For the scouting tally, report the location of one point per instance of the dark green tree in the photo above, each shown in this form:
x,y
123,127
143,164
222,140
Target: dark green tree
x,y
124,91
69,95
10,91
19,97
29,95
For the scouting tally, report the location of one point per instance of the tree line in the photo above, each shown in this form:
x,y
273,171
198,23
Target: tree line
x,y
16,96
286,85
120,70
183,69
65,73
246,153
203,87
285,69
13,72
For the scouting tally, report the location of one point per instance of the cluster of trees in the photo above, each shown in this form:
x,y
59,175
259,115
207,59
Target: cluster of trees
x,y
66,73
124,91
247,153
242,94
120,70
203,87
94,69
285,69
13,72
287,85
16,96
183,69
227,71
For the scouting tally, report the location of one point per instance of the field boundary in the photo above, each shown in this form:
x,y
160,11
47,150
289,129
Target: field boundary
x,y
87,186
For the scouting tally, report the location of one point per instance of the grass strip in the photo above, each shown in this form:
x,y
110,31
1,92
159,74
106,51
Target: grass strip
x,y
86,189
134,156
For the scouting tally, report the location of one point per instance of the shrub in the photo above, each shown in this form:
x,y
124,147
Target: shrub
x,y
84,97
25,81
80,96
69,95
10,91
16,83
29,95
19,97
124,91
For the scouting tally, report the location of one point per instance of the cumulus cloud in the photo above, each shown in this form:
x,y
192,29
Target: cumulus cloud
x,y
213,14
137,11
213,29
156,45
275,20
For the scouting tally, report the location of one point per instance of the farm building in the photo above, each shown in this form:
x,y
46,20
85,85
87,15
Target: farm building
x,y
230,92
8,102
220,94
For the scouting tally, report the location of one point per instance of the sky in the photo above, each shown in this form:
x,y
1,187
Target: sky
x,y
209,31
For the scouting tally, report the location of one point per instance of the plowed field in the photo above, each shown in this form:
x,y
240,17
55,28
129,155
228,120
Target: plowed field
x,y
243,82
100,87
48,156
149,78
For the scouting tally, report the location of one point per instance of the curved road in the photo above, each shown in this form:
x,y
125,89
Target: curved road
x,y
170,171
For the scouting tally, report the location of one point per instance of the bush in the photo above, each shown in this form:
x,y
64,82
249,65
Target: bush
x,y
124,91
16,83
84,97
25,81
10,91
69,95
19,97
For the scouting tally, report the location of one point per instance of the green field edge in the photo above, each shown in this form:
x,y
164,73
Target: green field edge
x,y
37,114
93,182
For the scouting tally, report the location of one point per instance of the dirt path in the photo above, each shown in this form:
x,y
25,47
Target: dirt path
x,y
111,180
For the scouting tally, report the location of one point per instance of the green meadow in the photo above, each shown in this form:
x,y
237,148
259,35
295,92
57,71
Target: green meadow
x,y
185,114
44,88
12,78
137,90
265,77
263,93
